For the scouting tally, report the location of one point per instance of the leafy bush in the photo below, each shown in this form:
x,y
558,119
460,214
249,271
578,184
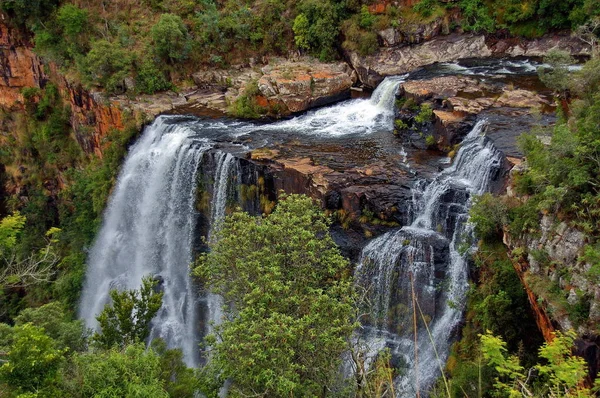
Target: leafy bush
x,y
150,78
28,12
127,320
425,114
171,39
107,64
320,35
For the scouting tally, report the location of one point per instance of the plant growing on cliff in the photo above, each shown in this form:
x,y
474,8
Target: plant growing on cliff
x,y
290,295
488,214
563,372
107,64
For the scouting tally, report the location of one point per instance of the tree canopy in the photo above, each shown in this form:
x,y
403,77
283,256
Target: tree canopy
x,y
289,293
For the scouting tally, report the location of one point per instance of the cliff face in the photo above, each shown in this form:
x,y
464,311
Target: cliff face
x,y
20,67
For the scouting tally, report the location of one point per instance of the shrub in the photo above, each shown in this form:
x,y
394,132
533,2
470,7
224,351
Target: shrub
x,y
107,64
150,78
488,214
170,37
425,114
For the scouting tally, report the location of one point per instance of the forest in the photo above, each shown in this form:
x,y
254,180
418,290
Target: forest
x,y
293,306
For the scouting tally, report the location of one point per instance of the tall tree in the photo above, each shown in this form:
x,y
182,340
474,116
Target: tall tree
x,y
289,294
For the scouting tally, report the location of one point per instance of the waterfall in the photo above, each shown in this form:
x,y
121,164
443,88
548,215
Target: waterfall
x,y
225,167
428,252
148,230
356,117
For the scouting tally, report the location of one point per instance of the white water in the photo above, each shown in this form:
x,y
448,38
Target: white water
x,y
150,220
225,166
357,117
148,230
426,247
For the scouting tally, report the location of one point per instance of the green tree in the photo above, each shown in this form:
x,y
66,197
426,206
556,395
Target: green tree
x,y
488,214
171,38
19,271
291,297
301,27
107,64
28,11
127,320
66,333
557,76
32,361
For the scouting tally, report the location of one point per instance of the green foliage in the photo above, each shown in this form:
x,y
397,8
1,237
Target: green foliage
x,y
57,324
107,64
477,16
301,31
127,320
508,367
320,35
426,7
246,105
32,361
400,124
556,76
10,228
425,114
28,12
292,296
171,38
150,78
564,372
179,380
73,20
489,214
130,372
358,39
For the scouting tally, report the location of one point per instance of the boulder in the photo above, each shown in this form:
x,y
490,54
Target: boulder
x,y
306,84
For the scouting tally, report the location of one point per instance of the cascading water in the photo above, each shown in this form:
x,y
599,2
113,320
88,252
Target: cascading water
x,y
148,230
150,224
358,116
424,258
225,167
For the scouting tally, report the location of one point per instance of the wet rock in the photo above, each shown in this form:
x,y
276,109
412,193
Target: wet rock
x,y
396,61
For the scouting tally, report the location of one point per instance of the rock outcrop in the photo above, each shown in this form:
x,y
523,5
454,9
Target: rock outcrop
x,y
303,85
457,101
19,67
403,58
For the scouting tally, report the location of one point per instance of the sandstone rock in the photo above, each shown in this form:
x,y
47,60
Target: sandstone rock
x,y
443,87
19,67
396,61
302,85
520,98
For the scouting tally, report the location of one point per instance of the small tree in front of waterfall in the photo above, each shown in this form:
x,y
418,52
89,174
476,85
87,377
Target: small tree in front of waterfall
x,y
127,319
291,297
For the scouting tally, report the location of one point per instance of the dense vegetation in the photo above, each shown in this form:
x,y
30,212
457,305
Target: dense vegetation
x,y
560,179
292,296
56,193
150,45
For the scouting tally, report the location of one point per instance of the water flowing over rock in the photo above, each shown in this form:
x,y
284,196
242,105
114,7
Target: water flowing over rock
x,y
148,230
425,260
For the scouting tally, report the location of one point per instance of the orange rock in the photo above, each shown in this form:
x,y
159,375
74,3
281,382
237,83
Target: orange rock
x,y
262,101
